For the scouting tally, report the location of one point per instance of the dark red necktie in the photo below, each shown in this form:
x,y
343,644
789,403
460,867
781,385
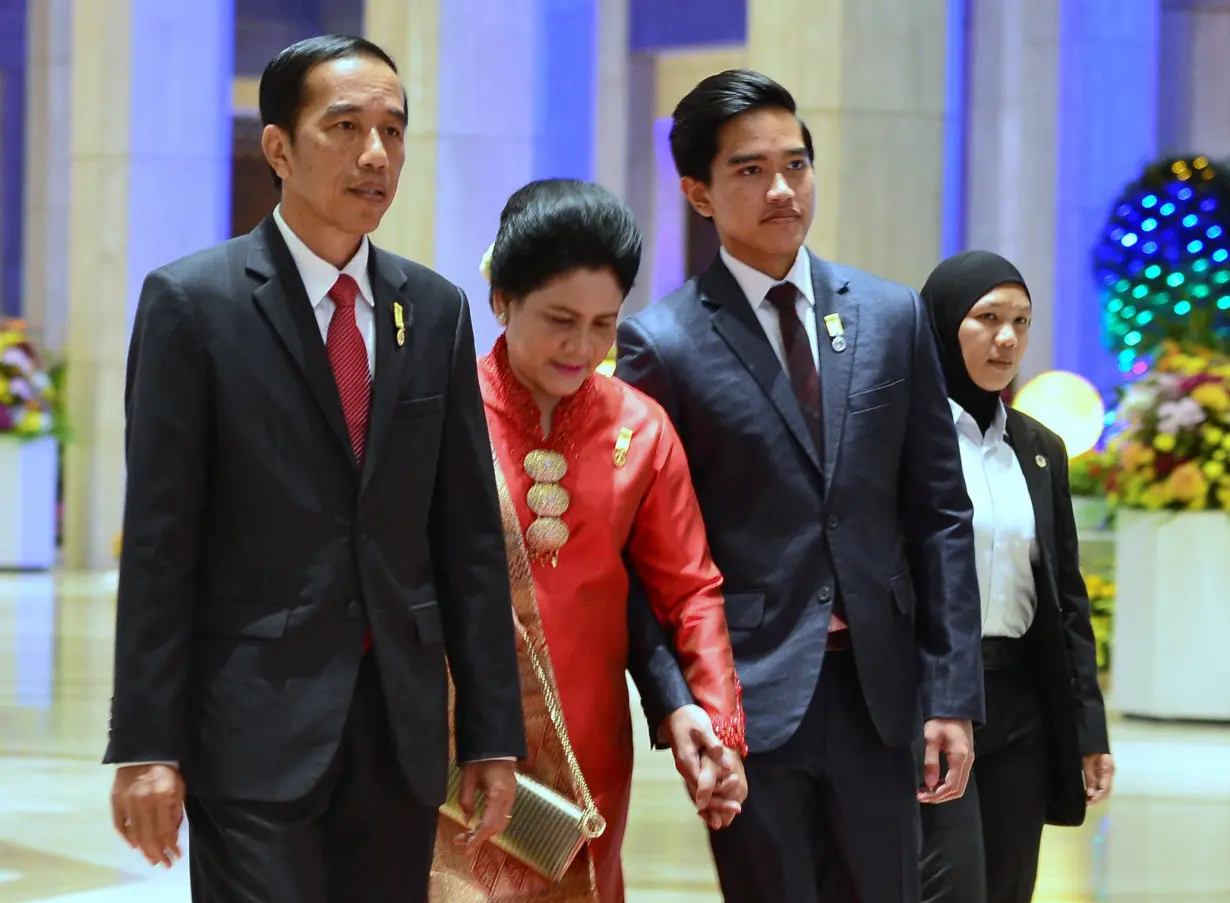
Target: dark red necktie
x,y
348,357
800,364
351,371
805,380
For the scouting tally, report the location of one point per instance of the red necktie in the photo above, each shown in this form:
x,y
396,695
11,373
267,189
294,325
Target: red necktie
x,y
805,380
348,358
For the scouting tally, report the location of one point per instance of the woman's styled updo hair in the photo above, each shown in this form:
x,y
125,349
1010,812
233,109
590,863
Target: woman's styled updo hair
x,y
554,226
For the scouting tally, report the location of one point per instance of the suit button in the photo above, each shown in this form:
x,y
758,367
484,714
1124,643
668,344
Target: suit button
x,y
832,521
826,593
354,610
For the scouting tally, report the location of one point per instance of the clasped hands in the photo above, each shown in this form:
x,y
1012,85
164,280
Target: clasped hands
x,y
712,772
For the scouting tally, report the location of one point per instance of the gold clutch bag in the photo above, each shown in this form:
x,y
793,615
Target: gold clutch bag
x,y
546,831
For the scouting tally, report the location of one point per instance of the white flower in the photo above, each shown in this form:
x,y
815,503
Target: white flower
x,y
1173,416
484,265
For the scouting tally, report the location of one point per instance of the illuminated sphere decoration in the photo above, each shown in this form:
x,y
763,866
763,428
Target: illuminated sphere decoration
x,y
1066,403
1163,260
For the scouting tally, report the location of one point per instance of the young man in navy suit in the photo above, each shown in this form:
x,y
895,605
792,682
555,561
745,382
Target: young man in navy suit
x,y
810,402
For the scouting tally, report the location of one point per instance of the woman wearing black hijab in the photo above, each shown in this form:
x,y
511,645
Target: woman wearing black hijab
x,y
1043,754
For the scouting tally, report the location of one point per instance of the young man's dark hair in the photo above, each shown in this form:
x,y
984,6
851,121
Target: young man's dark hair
x,y
700,116
282,82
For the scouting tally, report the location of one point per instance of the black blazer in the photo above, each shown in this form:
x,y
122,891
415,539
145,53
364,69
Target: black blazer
x,y
256,550
879,515
1061,637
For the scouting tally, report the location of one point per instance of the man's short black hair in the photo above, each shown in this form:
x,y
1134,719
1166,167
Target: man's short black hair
x,y
282,82
701,115
554,226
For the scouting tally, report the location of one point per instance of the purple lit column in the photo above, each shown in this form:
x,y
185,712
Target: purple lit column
x,y
1107,132
13,55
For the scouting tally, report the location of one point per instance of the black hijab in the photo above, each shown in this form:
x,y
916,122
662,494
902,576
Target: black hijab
x,y
954,287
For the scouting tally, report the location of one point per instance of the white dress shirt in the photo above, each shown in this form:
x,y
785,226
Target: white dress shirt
x,y
756,285
1005,535
319,277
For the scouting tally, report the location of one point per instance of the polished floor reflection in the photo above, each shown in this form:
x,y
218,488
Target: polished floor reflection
x,y
1165,837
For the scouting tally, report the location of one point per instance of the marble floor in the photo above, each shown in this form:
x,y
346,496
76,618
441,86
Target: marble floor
x,y
1164,837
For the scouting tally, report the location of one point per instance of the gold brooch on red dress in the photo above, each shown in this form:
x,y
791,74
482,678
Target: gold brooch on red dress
x,y
622,443
548,500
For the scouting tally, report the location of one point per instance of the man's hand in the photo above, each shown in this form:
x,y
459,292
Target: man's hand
x,y
955,739
147,808
498,782
1099,775
729,792
712,773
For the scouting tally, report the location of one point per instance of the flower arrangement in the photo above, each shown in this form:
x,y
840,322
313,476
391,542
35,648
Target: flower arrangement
x,y
1088,473
1102,608
1173,434
28,387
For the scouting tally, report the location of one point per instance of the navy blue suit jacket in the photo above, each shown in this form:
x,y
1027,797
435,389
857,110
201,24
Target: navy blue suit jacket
x,y
879,515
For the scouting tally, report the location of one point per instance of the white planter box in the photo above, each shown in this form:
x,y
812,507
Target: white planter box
x,y
1090,512
28,503
1172,615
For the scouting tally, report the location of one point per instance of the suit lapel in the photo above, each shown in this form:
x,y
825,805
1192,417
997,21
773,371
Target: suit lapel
x,y
836,367
1036,466
283,301
389,288
735,321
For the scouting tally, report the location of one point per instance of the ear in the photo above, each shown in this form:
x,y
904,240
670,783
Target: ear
x,y
276,145
697,193
499,304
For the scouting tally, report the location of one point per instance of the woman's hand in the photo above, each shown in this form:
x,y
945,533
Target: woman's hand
x,y
1099,775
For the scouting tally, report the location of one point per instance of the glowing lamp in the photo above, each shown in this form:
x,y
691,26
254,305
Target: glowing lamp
x,y
1067,404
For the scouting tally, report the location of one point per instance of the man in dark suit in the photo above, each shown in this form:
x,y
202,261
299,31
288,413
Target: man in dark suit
x,y
809,400
311,532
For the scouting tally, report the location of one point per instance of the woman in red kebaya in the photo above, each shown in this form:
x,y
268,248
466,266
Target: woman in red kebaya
x,y
593,480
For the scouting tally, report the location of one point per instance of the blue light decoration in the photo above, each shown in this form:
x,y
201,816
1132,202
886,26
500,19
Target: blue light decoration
x,y
1163,261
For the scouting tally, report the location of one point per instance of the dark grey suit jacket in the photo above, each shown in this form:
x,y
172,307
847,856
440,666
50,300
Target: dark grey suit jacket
x,y
1061,637
256,550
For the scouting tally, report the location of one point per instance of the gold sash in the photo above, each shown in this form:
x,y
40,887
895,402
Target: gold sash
x,y
541,855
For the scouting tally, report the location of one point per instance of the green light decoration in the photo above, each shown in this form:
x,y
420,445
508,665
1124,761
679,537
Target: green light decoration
x,y
1163,261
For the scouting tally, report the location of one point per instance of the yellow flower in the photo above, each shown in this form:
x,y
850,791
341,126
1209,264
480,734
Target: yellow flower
x,y
1135,455
1163,442
1223,496
1211,396
1187,483
1213,470
1212,435
1156,497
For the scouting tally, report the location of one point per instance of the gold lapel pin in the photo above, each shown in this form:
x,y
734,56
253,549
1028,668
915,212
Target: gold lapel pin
x,y
622,444
399,320
1040,461
837,332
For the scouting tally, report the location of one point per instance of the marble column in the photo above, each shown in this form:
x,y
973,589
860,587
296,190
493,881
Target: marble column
x,y
501,92
149,180
1011,150
1193,117
870,80
47,135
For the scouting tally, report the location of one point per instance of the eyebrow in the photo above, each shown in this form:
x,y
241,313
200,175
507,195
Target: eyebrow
x,y
349,109
741,159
